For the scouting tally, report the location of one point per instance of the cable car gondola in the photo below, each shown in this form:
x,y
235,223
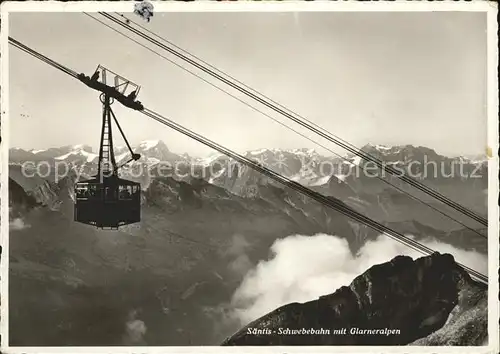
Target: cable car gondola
x,y
107,201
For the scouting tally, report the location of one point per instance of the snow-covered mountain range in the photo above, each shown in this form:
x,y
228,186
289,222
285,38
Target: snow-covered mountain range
x,y
289,162
185,257
346,177
305,166
152,151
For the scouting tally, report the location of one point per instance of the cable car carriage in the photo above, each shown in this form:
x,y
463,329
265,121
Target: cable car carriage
x,y
106,200
114,202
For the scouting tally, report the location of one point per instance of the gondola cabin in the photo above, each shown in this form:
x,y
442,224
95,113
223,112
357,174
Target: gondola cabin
x,y
113,203
107,201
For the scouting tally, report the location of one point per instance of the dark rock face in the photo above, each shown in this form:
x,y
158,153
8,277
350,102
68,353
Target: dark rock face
x,y
19,198
412,297
467,323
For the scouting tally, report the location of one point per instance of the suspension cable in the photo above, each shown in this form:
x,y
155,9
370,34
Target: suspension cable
x,y
43,58
327,201
309,125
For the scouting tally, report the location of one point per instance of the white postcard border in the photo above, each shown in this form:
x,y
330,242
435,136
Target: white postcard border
x,y
288,6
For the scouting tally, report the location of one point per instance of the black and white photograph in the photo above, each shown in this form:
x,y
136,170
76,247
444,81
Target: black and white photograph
x,y
254,175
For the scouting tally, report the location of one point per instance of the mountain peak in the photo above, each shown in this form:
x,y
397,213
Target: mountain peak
x,y
305,151
78,152
274,151
407,150
33,151
151,144
81,147
414,296
383,148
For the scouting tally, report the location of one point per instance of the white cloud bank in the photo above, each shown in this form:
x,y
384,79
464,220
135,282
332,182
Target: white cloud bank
x,y
303,268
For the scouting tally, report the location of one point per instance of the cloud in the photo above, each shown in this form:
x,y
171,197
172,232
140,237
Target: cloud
x,y
135,330
302,268
17,224
238,245
240,262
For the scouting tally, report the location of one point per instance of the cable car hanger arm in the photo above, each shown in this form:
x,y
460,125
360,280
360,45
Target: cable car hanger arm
x,y
135,156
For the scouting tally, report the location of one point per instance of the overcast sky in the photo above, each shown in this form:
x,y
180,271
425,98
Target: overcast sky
x,y
383,78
